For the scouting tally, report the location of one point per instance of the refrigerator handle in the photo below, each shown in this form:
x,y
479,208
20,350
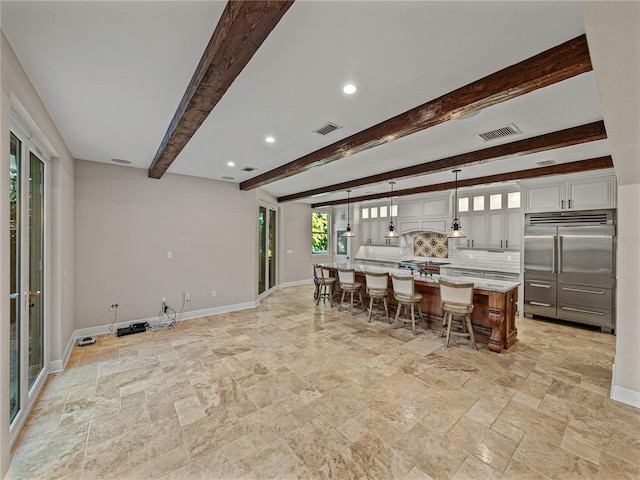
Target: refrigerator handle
x,y
559,246
554,252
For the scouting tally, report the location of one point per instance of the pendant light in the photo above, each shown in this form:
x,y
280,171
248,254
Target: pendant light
x,y
391,233
456,228
348,232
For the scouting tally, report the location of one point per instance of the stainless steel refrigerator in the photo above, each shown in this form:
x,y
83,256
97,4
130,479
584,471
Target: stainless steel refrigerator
x,y
569,267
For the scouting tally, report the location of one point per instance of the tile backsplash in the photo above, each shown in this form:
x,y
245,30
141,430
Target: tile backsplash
x,y
507,261
481,259
430,245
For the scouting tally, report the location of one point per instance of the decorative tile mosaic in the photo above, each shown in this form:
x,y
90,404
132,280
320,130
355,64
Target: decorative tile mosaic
x,y
431,245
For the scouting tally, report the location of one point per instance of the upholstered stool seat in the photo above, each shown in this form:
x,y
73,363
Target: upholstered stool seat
x,y
377,289
404,291
326,284
456,299
348,284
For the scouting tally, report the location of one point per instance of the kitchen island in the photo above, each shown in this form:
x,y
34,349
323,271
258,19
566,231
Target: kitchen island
x,y
495,301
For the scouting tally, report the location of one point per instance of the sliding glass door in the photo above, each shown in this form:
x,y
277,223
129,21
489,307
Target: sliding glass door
x,y
266,249
27,273
15,226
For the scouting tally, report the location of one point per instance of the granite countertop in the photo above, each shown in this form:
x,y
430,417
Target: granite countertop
x,y
450,263
491,285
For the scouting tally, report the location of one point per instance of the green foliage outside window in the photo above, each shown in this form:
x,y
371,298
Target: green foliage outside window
x,y
319,232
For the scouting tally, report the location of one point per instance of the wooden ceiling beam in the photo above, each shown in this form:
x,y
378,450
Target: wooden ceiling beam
x,y
563,138
551,66
563,168
242,28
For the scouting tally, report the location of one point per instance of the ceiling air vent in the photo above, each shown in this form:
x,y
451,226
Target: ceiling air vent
x,y
327,128
546,163
248,169
505,131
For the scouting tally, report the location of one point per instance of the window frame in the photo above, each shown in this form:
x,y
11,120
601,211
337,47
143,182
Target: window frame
x,y
319,233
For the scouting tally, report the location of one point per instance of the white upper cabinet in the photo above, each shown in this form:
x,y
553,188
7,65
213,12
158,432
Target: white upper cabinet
x,y
409,210
429,213
375,220
491,219
570,192
435,208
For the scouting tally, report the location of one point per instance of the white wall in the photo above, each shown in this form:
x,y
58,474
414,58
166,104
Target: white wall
x,y
613,34
18,93
125,225
626,381
295,237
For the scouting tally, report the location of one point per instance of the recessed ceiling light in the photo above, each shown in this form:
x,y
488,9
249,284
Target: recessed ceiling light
x,y
121,161
269,139
228,178
349,88
231,164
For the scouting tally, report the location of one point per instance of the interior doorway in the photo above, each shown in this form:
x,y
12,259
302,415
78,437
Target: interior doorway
x,y
267,251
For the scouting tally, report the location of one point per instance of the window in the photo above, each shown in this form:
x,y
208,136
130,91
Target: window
x,y
319,233
495,201
341,243
513,200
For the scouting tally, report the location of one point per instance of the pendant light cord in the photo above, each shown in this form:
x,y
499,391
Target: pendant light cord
x,y
455,205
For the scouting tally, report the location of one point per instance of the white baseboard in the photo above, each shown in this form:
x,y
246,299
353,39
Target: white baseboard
x,y
104,329
296,283
60,364
625,395
621,394
9,475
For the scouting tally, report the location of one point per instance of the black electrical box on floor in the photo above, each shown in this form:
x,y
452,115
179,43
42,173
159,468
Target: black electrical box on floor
x,y
133,328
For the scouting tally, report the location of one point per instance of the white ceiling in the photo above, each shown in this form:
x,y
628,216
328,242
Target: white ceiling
x,y
111,75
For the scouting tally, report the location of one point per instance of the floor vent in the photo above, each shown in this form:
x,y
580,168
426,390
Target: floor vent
x,y
327,128
248,169
505,131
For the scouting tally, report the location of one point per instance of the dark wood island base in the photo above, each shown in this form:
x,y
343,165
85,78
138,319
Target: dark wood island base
x,y
493,317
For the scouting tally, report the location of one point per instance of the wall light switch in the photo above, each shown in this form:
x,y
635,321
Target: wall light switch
x,y
289,251
169,254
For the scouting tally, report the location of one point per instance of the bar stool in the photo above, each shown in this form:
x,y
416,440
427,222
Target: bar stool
x,y
348,284
456,299
378,288
404,291
326,284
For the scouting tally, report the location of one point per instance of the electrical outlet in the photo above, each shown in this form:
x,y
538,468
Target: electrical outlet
x,y
113,307
169,254
508,258
187,296
213,293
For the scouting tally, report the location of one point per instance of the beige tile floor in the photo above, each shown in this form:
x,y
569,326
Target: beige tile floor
x,y
291,390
